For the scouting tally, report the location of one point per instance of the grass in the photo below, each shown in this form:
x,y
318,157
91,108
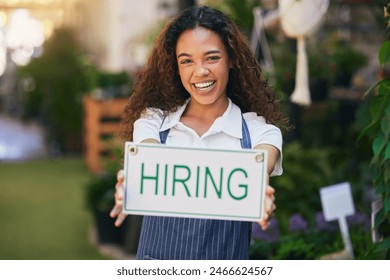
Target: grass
x,y
42,212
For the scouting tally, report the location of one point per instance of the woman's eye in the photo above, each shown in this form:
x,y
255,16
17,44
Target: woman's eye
x,y
211,58
185,61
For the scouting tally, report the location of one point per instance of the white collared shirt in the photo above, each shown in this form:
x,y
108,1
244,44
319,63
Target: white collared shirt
x,y
224,133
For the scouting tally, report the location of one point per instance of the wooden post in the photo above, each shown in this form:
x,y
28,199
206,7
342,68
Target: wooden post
x,y
101,119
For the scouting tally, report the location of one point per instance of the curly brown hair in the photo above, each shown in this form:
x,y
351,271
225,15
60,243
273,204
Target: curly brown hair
x,y
159,86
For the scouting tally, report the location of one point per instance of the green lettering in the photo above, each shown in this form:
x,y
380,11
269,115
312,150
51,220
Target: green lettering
x,y
143,177
176,167
165,179
240,185
208,175
197,181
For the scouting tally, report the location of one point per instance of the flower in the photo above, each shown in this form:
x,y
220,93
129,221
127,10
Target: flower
x,y
270,235
297,224
359,219
322,224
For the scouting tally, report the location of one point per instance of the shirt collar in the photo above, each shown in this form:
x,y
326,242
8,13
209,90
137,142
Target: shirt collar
x,y
173,118
230,122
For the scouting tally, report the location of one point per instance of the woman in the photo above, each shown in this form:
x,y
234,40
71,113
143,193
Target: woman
x,y
201,87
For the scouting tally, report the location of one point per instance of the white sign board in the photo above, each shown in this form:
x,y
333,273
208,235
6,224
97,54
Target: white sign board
x,y
337,204
337,201
163,180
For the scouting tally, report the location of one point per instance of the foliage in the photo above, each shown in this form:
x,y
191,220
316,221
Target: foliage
x,y
378,131
95,79
299,230
111,85
307,241
100,189
285,65
57,86
344,61
99,193
112,79
332,61
307,170
58,79
239,11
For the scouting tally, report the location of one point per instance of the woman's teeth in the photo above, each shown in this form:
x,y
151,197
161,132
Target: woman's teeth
x,y
203,85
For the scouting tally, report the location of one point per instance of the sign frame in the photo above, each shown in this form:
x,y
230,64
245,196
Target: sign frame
x,y
231,208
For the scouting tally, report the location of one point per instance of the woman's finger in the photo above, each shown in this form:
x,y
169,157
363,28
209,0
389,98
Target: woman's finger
x,y
120,219
116,210
269,190
119,194
264,223
120,176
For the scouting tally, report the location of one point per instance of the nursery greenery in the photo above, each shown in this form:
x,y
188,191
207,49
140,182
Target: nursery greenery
x,y
306,170
99,192
57,81
378,132
57,86
311,241
239,11
100,188
330,61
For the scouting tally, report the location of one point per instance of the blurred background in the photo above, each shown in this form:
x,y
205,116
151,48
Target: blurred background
x,y
66,71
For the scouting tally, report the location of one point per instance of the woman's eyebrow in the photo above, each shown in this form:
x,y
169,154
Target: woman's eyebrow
x,y
206,53
183,54
213,52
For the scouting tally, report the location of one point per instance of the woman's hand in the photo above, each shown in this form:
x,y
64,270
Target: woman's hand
x,y
116,212
269,207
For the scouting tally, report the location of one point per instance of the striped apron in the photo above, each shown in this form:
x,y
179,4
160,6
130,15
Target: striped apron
x,y
171,238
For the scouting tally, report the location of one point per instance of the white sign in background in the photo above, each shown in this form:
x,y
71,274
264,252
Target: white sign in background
x,y
337,203
172,181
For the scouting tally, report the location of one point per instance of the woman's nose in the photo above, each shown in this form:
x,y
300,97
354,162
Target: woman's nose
x,y
201,70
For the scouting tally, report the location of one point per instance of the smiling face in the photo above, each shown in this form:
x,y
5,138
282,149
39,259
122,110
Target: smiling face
x,y
203,64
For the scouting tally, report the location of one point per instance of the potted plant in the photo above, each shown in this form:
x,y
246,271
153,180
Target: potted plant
x,y
99,198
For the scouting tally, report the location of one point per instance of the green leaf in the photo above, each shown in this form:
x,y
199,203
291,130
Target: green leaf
x,y
374,161
376,175
380,188
379,144
385,84
371,88
378,107
380,217
387,203
379,104
386,174
384,245
387,152
369,130
385,125
384,53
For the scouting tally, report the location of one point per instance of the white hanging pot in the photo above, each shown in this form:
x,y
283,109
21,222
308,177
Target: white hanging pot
x,y
300,18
